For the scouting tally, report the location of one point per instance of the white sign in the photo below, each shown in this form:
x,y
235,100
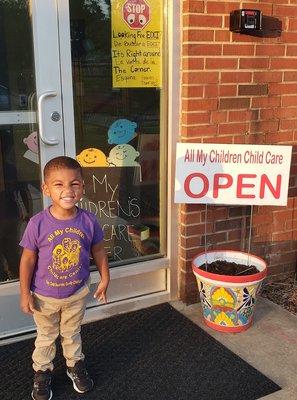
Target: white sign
x,y
232,174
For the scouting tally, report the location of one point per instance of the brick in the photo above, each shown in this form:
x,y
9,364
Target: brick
x,y
233,128
200,21
192,6
285,11
211,91
228,224
264,126
234,235
193,63
217,117
256,90
289,37
267,113
292,25
264,102
290,76
190,218
215,213
283,236
283,215
245,115
200,104
198,35
261,76
188,208
288,112
202,49
227,90
222,36
282,88
250,138
198,131
193,230
221,63
253,63
189,254
235,103
291,51
195,118
191,242
200,77
238,211
221,7
288,124
215,238
284,63
289,101
192,91
221,140
239,38
265,8
238,49
270,50
236,77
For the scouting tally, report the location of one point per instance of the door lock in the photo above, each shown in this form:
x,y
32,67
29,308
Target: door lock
x,y
55,116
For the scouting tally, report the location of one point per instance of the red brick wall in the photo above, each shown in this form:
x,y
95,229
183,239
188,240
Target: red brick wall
x,y
239,89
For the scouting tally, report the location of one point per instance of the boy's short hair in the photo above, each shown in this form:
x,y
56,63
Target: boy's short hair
x,y
62,162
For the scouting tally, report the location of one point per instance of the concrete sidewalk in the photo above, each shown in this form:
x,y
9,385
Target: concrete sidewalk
x,y
269,345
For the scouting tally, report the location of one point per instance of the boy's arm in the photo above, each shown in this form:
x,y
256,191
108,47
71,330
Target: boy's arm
x,y
27,265
100,259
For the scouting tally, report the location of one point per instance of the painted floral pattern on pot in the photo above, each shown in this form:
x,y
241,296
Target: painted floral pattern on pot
x,y
227,307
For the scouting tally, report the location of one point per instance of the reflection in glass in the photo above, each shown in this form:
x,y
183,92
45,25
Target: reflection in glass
x,y
125,195
19,161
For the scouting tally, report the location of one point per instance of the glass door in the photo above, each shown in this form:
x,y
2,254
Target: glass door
x,y
62,92
117,60
31,132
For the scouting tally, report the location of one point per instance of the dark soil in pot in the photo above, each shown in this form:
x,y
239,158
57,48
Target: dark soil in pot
x,y
222,267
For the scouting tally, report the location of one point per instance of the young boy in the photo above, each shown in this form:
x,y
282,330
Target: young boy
x,y
54,274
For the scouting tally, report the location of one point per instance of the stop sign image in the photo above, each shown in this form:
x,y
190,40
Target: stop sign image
x,y
136,13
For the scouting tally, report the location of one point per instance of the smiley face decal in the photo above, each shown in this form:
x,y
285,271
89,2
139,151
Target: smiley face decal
x,y
121,131
92,158
123,156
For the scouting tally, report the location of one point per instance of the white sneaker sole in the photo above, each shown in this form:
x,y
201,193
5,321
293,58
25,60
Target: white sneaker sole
x,y
51,395
75,387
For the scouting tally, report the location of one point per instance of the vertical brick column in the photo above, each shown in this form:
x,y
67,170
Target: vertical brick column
x,y
239,89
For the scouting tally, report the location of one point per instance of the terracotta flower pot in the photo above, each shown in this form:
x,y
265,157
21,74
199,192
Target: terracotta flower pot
x,y
228,301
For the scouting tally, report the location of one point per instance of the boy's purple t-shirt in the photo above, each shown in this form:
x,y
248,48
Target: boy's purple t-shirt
x,y
63,251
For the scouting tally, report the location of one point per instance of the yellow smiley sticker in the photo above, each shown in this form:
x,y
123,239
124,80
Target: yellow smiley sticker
x,y
92,158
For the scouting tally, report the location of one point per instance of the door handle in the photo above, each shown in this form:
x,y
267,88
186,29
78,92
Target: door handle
x,y
42,97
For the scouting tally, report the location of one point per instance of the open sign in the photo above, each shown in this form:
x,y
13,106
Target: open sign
x,y
136,13
232,174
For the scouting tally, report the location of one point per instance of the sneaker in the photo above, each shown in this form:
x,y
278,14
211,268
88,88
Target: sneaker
x,y
82,383
42,386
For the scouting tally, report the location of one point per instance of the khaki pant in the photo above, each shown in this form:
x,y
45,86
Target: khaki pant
x,y
54,317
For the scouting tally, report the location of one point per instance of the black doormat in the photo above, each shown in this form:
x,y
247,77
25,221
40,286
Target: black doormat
x,y
151,354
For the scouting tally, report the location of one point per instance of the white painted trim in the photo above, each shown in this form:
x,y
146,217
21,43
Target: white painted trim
x,y
124,306
17,117
66,77
47,74
173,135
134,269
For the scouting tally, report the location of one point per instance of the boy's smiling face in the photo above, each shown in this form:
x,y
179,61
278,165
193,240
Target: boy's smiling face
x,y
65,188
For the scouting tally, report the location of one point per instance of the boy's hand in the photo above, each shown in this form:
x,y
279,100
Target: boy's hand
x,y
27,303
100,293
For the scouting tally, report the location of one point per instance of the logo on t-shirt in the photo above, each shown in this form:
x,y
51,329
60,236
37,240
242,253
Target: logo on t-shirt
x,y
66,254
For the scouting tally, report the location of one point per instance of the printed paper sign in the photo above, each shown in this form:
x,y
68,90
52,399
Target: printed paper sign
x,y
136,40
232,174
